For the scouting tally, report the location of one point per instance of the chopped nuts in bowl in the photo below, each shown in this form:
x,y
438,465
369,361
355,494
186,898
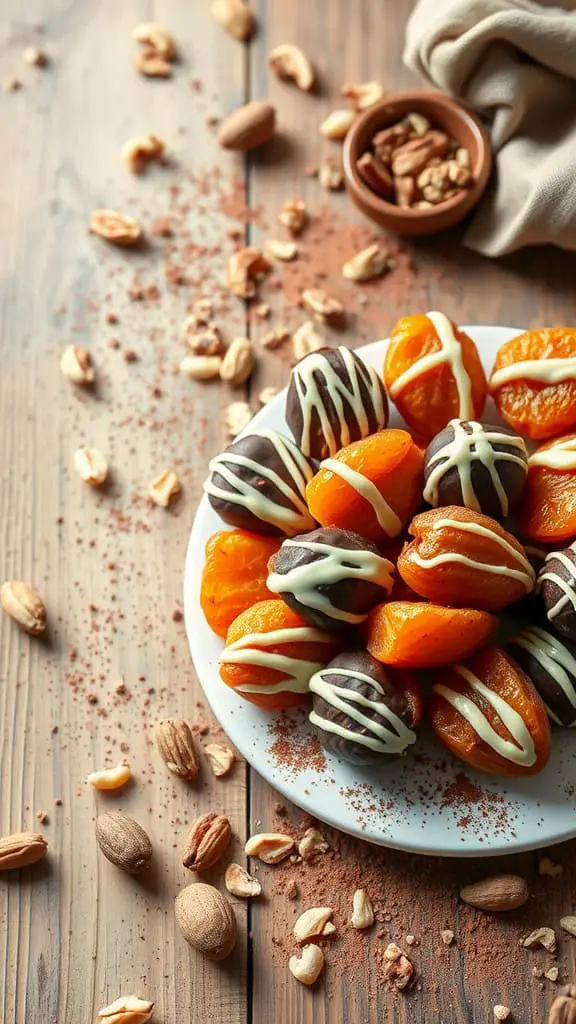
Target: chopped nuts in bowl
x,y
416,162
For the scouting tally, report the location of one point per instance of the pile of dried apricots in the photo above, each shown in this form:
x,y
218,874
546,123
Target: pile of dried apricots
x,y
367,568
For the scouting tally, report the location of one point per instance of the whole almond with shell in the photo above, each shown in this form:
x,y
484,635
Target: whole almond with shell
x,y
207,841
22,602
497,893
21,849
177,749
250,126
123,842
206,920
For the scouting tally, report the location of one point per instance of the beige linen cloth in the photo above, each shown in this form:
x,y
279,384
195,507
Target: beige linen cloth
x,y
513,61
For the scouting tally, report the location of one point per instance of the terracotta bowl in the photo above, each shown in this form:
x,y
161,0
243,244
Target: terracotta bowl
x,y
443,113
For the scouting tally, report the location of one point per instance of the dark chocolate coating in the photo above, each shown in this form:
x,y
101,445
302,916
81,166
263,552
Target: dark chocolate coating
x,y
560,601
263,451
554,655
315,444
352,594
394,698
512,475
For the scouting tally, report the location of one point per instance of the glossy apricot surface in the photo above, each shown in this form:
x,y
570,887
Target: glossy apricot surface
x,y
234,575
548,510
421,635
535,408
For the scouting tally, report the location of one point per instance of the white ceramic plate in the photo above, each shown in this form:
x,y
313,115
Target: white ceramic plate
x,y
425,803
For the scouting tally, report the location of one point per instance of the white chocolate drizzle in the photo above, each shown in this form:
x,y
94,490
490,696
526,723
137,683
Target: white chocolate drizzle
x,y
450,352
246,651
566,587
343,396
520,750
337,564
555,659
561,455
524,574
386,516
462,451
540,371
291,518
382,740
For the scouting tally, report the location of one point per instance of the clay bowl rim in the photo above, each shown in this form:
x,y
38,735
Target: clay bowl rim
x,y
384,113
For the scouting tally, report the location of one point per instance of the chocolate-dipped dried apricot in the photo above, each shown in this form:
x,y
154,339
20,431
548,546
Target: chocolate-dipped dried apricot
x,y
551,665
461,558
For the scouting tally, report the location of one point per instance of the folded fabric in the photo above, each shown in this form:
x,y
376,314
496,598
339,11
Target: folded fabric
x,y
513,61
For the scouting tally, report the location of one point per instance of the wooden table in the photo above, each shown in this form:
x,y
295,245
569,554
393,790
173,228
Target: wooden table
x,y
75,932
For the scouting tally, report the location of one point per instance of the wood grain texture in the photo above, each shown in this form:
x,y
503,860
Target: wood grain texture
x,y
75,933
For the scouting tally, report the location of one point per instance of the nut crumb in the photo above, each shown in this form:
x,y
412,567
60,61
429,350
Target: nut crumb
x,y
267,394
237,417
220,758
548,867
552,973
447,936
398,969
42,817
164,487
501,1012
35,57
12,84
545,937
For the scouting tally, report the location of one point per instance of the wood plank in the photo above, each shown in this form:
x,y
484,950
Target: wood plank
x,y
76,932
413,895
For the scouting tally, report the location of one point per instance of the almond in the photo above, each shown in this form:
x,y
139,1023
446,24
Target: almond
x,y
362,910
240,883
367,264
91,465
306,968
177,748
337,125
110,778
123,842
201,367
207,841
206,920
498,893
250,126
235,16
238,363
114,227
164,487
23,604
76,365
220,758
21,849
362,94
127,1010
311,923
289,63
270,847
293,215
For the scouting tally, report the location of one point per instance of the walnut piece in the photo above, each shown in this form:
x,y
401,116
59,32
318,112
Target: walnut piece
x,y
545,937
245,267
330,174
322,306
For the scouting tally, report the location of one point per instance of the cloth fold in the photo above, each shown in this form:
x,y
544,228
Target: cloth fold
x,y
514,62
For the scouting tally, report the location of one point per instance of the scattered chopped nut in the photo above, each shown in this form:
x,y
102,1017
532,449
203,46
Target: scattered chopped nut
x,y
362,94
447,936
398,969
204,342
307,967
245,267
545,937
238,363
337,124
552,973
312,844
164,487
368,264
36,57
237,418
76,365
537,972
288,62
235,16
270,847
201,367
158,49
420,124
276,336
293,215
42,817
139,151
262,310
267,394
127,1010
410,940
322,306
311,923
501,1012
568,924
548,867
240,883
91,465
110,778
114,227
330,175
281,250
363,911
11,84
150,64
220,758
306,339
291,891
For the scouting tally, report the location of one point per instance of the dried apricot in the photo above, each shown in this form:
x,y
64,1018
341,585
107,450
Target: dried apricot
x,y
433,373
533,382
489,714
548,511
421,635
234,575
270,655
372,486
459,557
